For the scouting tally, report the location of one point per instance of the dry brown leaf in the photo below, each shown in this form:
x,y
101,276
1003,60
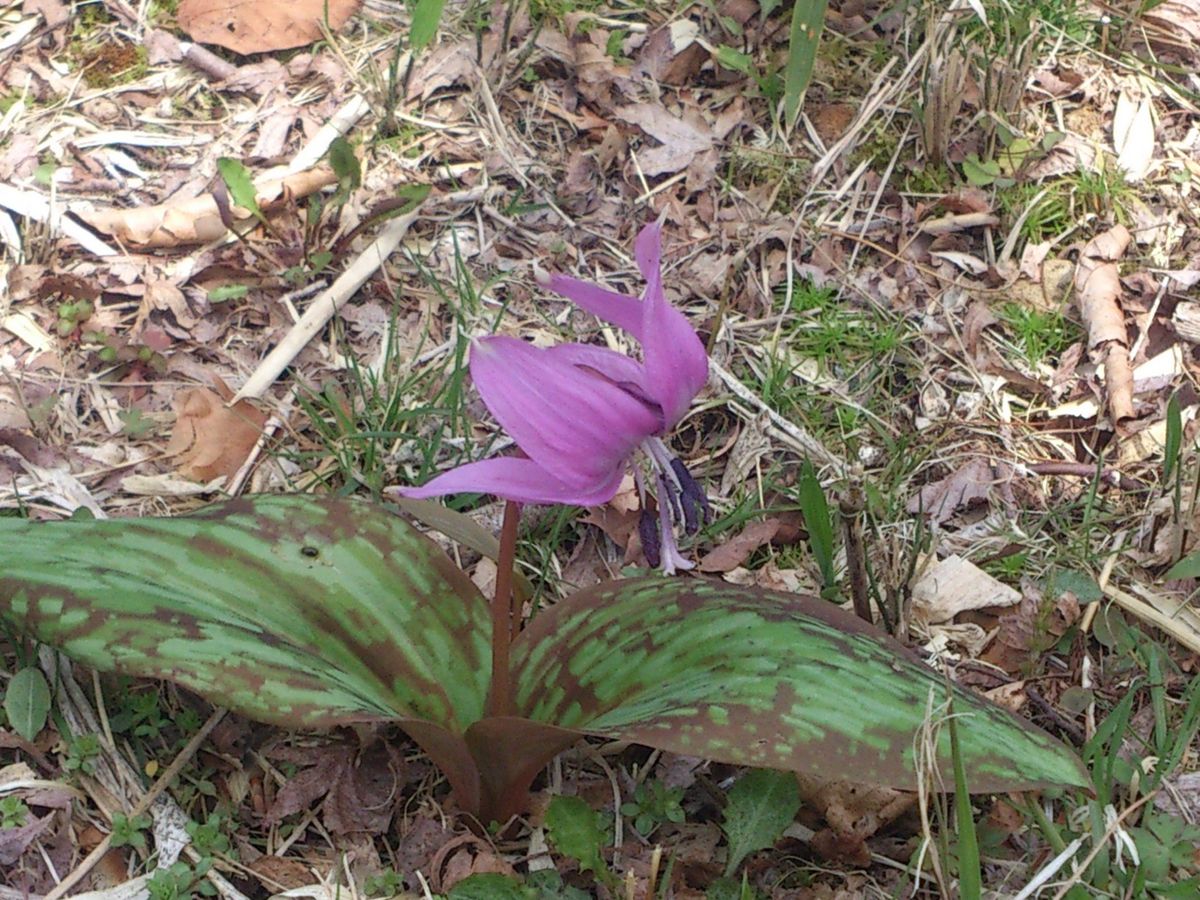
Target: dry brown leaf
x,y
967,484
1031,628
1098,291
461,857
55,12
681,139
854,812
1174,28
448,64
260,26
737,550
197,221
668,59
211,439
281,873
955,585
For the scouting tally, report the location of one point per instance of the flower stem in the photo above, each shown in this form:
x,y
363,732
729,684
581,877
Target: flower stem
x,y
503,614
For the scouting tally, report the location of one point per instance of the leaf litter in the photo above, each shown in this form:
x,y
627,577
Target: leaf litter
x,y
597,122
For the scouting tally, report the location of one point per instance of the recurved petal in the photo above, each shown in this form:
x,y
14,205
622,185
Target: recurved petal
x,y
647,250
577,425
675,362
513,478
618,309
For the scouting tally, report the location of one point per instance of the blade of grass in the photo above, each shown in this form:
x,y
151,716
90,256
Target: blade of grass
x,y
808,20
970,876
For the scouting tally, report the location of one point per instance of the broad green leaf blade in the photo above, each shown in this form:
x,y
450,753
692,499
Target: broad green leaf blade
x,y
760,807
764,679
1188,567
1174,437
295,610
239,184
575,832
425,19
819,524
808,20
489,886
27,702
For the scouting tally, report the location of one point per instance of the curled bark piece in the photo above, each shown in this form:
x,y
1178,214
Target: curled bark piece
x,y
197,220
1097,291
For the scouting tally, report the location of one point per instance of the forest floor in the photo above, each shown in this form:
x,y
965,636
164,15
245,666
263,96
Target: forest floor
x,y
962,287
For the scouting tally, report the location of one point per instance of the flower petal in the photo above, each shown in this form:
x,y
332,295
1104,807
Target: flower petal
x,y
620,370
514,478
675,362
647,250
575,424
617,309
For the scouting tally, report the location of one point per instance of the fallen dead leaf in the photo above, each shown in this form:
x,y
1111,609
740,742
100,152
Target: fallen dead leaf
x,y
853,812
681,138
448,64
954,585
461,857
1098,291
211,439
198,220
1034,626
55,12
737,550
280,873
1133,136
967,484
1174,28
260,26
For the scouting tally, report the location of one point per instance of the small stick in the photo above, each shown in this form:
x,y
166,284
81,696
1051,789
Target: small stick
x,y
504,614
326,306
1099,845
851,504
790,431
1073,731
163,782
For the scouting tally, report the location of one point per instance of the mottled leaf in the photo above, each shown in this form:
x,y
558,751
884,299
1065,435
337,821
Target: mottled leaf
x,y
753,677
295,610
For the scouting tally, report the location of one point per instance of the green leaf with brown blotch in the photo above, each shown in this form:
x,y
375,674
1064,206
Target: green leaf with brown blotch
x,y
295,610
305,611
751,677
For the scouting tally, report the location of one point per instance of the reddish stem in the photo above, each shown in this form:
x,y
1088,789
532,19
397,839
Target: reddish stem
x,y
503,624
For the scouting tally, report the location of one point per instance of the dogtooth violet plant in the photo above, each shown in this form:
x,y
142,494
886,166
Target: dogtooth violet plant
x,y
313,612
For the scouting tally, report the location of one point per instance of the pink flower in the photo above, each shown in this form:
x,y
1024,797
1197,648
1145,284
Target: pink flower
x,y
579,411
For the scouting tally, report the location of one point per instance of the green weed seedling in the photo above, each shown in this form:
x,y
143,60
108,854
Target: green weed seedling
x,y
654,804
13,811
82,752
130,831
181,881
818,521
1145,852
1040,334
580,833
758,809
387,883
